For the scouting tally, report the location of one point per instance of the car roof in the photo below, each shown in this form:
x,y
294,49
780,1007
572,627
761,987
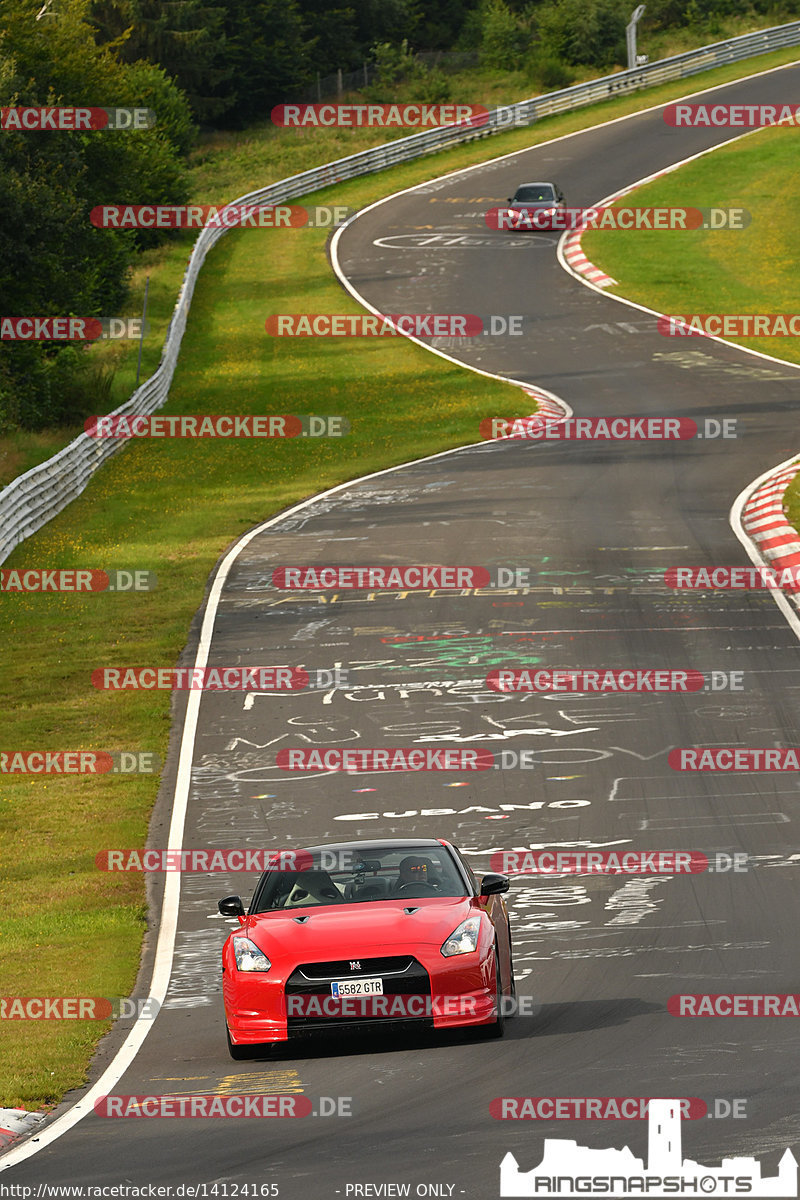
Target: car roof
x,y
537,183
431,843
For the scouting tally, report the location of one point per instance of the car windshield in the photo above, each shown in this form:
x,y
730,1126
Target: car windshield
x,y
534,192
360,875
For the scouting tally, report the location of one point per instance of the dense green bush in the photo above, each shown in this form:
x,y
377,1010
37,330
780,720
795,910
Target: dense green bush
x,y
53,261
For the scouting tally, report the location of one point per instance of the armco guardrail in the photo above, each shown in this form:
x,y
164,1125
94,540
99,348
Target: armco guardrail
x,y
34,498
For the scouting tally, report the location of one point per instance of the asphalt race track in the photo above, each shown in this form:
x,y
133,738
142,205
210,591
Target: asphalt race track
x,y
596,524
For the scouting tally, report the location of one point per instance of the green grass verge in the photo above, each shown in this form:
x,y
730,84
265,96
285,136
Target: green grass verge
x,y
753,270
172,507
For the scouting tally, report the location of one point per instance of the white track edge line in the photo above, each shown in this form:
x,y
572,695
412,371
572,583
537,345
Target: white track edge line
x,y
735,520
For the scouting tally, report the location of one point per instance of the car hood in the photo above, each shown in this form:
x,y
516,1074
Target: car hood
x,y
342,930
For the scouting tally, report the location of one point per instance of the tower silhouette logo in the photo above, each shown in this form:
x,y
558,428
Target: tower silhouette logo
x,y
568,1169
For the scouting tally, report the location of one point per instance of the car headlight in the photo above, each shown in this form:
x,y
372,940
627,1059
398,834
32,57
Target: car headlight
x,y
463,940
249,957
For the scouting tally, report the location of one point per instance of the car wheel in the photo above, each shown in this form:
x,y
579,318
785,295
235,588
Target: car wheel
x,y
240,1053
513,988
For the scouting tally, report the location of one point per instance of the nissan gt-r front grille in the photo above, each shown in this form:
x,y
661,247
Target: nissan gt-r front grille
x,y
402,976
344,968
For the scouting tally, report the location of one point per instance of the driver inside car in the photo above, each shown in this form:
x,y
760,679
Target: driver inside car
x,y
416,877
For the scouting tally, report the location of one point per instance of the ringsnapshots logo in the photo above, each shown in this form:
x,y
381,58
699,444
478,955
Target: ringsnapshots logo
x,y
569,1170
75,120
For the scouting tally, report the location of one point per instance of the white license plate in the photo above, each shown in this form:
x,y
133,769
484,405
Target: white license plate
x,y
357,987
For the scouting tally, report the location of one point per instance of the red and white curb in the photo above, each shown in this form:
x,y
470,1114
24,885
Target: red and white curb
x,y
548,406
571,251
577,260
764,521
16,1123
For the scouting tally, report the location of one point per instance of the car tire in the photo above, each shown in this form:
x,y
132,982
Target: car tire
x,y
513,987
240,1053
498,1026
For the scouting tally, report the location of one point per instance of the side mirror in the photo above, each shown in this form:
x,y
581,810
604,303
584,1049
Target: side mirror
x,y
231,906
492,885
510,199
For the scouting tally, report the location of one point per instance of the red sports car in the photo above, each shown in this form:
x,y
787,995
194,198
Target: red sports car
x,y
364,933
